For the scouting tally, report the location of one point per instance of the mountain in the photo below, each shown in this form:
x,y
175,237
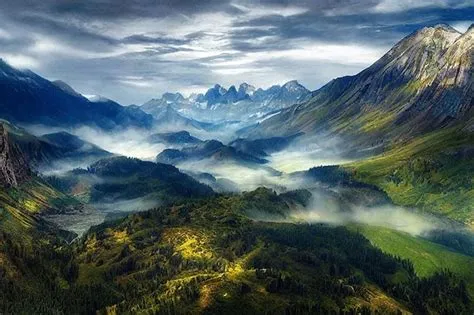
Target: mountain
x,y
215,95
66,140
73,146
154,106
423,83
66,88
262,147
290,93
28,98
209,256
411,113
210,149
174,138
46,151
169,118
116,179
245,91
25,196
14,169
245,103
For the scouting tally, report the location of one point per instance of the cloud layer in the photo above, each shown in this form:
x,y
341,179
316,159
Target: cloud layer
x,y
134,50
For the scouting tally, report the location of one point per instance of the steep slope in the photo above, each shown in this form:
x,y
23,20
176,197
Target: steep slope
x,y
13,167
70,142
424,82
46,151
30,99
414,108
35,262
432,172
23,196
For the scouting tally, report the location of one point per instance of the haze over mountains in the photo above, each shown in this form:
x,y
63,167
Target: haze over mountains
x,y
246,103
212,222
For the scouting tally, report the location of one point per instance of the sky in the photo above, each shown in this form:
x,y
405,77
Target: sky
x,y
135,50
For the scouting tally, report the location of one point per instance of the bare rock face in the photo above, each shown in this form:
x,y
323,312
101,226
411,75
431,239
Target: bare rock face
x,y
14,169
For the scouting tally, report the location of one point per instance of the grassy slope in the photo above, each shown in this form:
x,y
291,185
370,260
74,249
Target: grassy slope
x,y
427,257
203,256
427,172
29,199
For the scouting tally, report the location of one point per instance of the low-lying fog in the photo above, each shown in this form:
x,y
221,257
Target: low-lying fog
x,y
389,216
132,142
275,174
289,161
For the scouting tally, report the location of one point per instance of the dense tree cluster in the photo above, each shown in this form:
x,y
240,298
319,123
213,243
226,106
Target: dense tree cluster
x,y
207,255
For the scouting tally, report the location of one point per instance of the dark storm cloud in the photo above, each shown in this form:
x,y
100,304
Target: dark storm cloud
x,y
113,9
134,50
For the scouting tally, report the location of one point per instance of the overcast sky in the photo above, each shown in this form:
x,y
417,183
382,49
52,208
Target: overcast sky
x,y
135,50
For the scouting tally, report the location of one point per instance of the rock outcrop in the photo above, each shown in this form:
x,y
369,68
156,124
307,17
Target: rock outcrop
x,y
14,169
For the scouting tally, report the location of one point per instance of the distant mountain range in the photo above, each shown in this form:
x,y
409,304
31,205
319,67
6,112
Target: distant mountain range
x,y
30,99
246,103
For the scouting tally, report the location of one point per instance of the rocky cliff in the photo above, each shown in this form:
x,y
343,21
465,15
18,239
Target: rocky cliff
x,y
14,169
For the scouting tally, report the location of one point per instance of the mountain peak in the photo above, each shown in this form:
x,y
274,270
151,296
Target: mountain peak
x,y
66,88
438,31
246,86
444,27
470,29
292,83
173,97
219,88
246,89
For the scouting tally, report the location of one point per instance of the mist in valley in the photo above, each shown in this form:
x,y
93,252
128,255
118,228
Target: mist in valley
x,y
322,210
279,174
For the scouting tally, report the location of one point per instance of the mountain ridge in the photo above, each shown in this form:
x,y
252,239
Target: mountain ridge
x,y
31,99
243,103
389,99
